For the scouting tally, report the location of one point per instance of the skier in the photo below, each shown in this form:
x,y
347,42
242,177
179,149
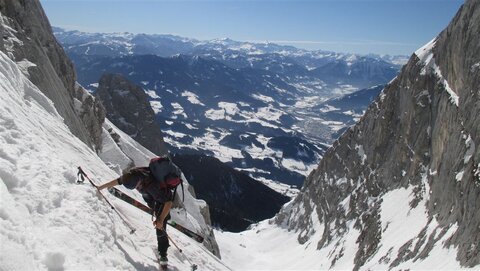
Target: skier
x,y
159,199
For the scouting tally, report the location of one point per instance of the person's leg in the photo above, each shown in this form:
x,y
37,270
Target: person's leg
x,y
162,239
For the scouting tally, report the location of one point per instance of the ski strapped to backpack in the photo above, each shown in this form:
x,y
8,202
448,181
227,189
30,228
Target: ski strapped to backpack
x,y
166,174
121,195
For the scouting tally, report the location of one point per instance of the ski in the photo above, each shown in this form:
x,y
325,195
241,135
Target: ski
x,y
119,194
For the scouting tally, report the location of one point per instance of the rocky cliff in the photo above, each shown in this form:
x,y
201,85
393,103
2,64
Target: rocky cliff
x,y
28,40
128,108
234,199
416,146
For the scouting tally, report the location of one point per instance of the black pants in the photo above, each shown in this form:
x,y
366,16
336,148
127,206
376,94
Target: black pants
x,y
162,239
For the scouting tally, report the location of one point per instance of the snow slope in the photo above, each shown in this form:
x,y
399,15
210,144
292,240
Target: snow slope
x,y
268,247
47,221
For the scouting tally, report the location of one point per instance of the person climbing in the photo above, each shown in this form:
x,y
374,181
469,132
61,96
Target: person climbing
x,y
157,183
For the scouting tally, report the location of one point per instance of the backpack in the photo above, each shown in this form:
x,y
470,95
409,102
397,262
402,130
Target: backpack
x,y
166,174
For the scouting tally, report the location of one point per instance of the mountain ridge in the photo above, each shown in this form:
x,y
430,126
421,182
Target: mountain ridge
x,y
70,36
287,60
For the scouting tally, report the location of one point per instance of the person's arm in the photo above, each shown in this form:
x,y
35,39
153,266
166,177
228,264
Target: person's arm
x,y
158,223
108,185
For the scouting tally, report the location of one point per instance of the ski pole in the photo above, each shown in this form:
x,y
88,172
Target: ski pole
x,y
82,174
169,238
194,266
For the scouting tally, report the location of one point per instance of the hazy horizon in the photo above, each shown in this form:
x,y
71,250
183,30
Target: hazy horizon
x,y
393,27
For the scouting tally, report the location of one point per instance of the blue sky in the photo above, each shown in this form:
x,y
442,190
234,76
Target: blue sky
x,y
357,26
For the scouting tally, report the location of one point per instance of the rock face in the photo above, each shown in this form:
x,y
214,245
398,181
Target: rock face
x,y
422,134
27,39
128,108
91,112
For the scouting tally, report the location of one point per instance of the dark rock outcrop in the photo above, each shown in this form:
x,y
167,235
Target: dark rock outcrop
x,y
235,200
422,133
27,37
128,108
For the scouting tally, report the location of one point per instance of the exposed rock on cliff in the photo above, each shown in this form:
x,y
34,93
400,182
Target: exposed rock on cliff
x,y
418,144
128,108
91,112
27,39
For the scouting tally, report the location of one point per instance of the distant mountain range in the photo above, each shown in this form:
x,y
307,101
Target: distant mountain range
x,y
339,68
113,44
256,106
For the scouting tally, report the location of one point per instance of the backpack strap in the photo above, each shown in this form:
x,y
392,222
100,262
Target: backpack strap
x,y
175,192
183,191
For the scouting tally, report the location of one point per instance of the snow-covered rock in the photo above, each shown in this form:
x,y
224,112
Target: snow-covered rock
x,y
401,188
49,125
27,39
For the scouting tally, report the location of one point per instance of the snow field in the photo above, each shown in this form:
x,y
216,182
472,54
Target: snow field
x,y
402,224
47,221
192,98
265,116
269,247
44,214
